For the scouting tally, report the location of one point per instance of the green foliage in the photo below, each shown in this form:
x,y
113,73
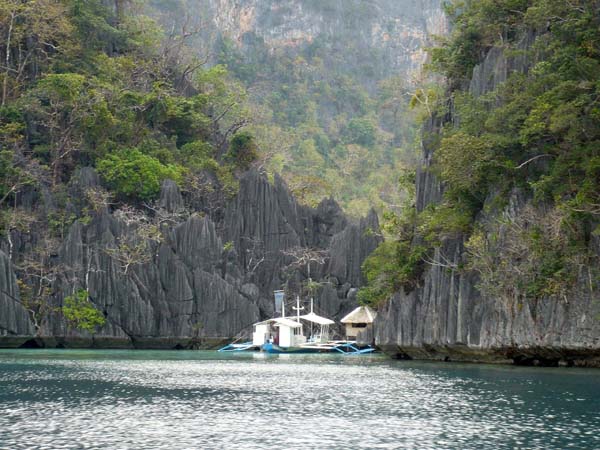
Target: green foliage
x,y
438,223
59,221
528,132
392,266
90,84
80,313
361,131
536,257
538,131
477,25
135,175
12,177
243,150
316,122
197,156
463,160
229,183
399,261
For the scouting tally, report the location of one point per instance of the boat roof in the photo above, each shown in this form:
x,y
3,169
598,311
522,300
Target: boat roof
x,y
362,314
286,322
312,317
272,320
292,323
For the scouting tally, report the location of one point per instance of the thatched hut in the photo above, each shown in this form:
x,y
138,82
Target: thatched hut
x,y
358,321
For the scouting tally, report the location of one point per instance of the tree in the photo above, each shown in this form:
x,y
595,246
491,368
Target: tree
x,y
361,131
16,172
59,105
464,160
133,246
36,275
80,313
34,34
225,103
254,254
136,175
243,150
305,257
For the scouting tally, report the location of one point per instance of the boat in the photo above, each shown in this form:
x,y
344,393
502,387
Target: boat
x,y
302,333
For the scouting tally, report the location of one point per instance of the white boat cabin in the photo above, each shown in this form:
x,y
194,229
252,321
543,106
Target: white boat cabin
x,y
290,331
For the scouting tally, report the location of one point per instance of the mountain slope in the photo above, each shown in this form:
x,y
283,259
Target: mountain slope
x,y
329,82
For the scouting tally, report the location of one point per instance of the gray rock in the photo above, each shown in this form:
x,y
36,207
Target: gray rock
x,y
191,288
446,316
350,247
14,318
170,197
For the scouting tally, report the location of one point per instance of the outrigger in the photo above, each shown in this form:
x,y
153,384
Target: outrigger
x,y
307,333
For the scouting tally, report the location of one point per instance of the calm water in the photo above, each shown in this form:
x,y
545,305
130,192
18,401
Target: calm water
x,y
121,399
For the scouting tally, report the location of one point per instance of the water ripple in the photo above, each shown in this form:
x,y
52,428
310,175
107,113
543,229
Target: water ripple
x,y
126,400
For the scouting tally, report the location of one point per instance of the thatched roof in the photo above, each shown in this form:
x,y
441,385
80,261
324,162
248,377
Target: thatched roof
x,y
362,314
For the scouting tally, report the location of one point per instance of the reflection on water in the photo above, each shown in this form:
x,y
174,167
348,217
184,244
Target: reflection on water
x,y
122,399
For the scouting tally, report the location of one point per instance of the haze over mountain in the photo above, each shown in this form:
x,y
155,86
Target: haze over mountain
x,y
329,85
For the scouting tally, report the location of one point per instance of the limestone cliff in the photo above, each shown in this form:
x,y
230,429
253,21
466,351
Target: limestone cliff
x,y
382,37
208,279
447,317
400,30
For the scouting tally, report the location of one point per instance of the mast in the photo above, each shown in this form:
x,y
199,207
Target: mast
x,y
298,308
311,311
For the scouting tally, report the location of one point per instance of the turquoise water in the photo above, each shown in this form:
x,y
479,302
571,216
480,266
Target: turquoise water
x,y
144,399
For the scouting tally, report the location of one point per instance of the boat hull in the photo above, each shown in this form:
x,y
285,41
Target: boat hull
x,y
276,349
343,347
243,347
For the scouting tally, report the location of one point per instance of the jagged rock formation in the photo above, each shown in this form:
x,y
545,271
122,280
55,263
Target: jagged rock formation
x,y
205,281
447,317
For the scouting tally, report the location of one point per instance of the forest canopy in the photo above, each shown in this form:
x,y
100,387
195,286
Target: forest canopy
x,y
93,83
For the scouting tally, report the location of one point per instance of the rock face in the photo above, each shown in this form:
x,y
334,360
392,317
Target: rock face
x,y
447,318
14,319
206,280
393,33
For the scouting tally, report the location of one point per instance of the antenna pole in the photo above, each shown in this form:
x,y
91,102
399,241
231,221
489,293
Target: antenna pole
x,y
298,308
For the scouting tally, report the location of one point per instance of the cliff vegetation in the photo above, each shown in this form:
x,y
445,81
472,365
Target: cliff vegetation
x,y
529,128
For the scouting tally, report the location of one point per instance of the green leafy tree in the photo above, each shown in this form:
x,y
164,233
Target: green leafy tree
x,y
537,132
134,174
361,131
80,313
243,150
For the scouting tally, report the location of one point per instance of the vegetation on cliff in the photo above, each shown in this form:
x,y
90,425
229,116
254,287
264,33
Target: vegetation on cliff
x,y
535,135
85,83
328,112
320,127
95,83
